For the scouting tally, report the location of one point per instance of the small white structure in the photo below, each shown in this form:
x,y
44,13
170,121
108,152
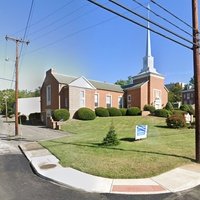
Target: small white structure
x,y
28,105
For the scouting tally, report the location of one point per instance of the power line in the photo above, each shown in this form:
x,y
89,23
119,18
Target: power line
x,y
156,24
166,10
139,24
47,16
163,18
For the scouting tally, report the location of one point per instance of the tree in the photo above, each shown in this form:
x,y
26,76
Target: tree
x,y
175,92
124,82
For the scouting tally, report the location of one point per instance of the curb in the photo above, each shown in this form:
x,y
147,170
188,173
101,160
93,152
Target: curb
x,y
47,166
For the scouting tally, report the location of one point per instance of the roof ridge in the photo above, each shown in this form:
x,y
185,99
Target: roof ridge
x,y
103,82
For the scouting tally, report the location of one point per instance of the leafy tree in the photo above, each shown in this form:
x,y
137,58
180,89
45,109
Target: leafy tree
x,y
191,82
124,82
175,92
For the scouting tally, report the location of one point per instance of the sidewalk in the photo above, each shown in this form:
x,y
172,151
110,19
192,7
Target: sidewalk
x,y
47,166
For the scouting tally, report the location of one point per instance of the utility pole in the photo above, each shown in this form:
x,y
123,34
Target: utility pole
x,y
17,41
196,76
6,104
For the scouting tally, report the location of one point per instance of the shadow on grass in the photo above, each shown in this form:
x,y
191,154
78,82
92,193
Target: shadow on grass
x,y
158,126
128,139
100,146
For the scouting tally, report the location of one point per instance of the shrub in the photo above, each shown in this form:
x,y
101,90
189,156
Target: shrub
x,y
149,108
162,113
133,111
114,112
60,114
178,112
176,121
35,118
185,107
123,111
85,114
191,110
101,112
22,119
111,137
169,106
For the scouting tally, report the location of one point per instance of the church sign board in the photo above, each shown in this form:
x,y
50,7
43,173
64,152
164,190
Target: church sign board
x,y
141,132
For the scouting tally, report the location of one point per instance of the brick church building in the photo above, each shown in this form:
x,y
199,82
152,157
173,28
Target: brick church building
x,y
63,91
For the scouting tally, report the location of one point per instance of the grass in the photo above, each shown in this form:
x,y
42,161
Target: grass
x,y
163,150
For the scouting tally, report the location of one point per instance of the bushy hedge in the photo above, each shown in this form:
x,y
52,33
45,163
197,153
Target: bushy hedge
x,y
22,119
178,112
176,121
114,112
169,106
187,108
101,112
123,111
60,114
35,118
149,108
162,113
134,111
85,114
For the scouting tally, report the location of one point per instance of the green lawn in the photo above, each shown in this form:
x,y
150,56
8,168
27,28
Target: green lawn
x,y
164,149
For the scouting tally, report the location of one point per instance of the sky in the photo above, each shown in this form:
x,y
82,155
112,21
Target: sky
x,y
75,37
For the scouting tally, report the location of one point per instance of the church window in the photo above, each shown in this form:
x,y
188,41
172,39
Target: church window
x,y
129,98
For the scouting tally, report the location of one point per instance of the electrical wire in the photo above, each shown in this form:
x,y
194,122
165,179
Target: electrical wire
x,y
156,24
139,24
163,18
166,10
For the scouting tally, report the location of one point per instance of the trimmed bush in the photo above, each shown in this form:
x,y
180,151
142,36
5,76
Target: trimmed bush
x,y
162,113
114,112
35,118
176,121
85,114
22,119
134,111
60,114
101,112
169,106
178,112
111,138
149,108
123,111
191,110
185,107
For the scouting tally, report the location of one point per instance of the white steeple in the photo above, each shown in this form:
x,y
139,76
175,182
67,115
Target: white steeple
x,y
148,60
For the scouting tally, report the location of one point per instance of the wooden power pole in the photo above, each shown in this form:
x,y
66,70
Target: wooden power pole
x,y
196,76
17,41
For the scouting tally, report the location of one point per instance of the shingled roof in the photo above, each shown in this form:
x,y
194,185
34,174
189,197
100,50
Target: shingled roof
x,y
65,79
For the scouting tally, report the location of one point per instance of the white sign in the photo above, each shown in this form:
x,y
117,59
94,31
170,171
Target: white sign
x,y
141,132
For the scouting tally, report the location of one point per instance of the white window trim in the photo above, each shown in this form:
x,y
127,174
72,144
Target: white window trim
x,y
122,103
154,92
82,98
108,95
97,100
48,96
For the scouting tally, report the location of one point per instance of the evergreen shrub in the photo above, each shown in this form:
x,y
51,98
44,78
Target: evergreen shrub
x,y
114,112
169,106
133,111
101,112
162,113
176,121
149,108
123,111
111,137
22,119
85,114
60,114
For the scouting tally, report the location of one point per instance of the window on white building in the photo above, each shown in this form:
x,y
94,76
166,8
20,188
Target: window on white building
x,y
108,101
48,95
82,98
96,100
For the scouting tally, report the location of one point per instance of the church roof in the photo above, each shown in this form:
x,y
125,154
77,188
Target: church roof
x,y
65,79
134,86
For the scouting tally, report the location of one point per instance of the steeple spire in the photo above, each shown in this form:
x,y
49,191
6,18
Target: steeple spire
x,y
148,60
